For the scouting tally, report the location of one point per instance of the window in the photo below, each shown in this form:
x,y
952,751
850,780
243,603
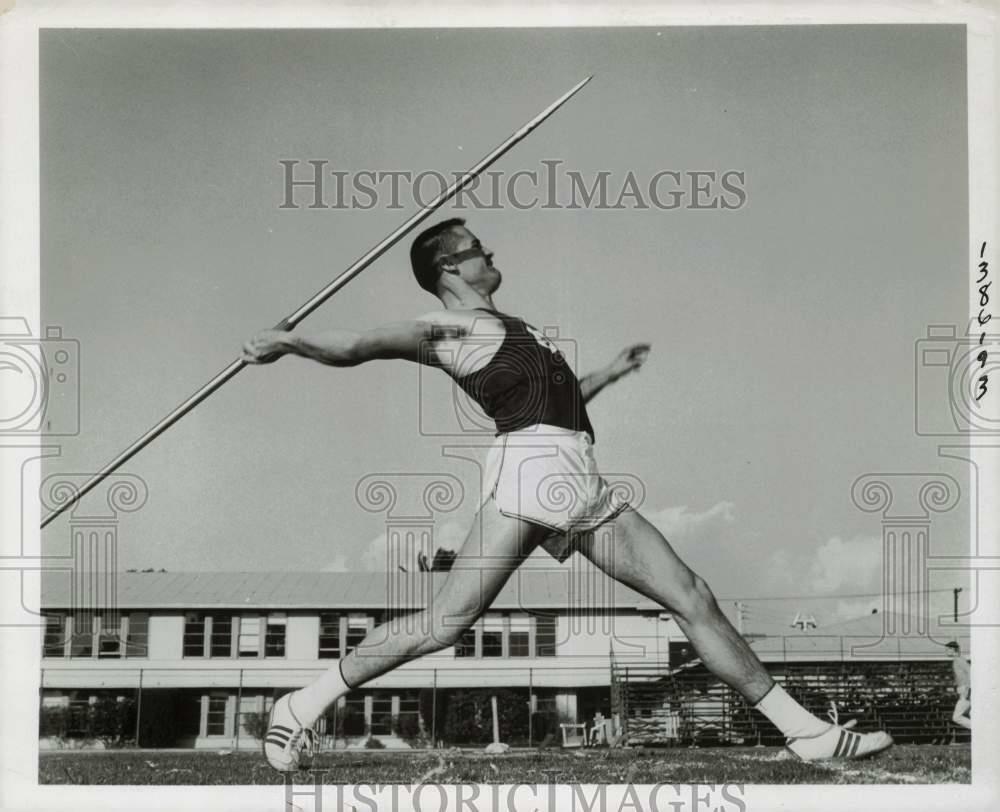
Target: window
x,y
466,645
353,719
492,644
54,641
381,714
407,723
492,635
274,635
82,644
221,642
194,635
215,724
545,636
329,636
519,644
80,713
137,637
109,642
249,703
249,645
357,630
100,634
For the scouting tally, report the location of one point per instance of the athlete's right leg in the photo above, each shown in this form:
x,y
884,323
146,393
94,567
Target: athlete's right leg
x,y
495,546
641,558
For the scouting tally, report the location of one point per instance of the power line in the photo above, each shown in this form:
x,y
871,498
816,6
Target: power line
x,y
815,597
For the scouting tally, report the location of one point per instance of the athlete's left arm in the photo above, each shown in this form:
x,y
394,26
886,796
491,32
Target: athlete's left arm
x,y
628,360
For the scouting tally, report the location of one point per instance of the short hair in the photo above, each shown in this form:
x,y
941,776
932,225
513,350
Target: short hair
x,y
429,245
953,645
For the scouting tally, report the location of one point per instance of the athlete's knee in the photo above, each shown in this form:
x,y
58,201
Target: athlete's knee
x,y
693,598
448,634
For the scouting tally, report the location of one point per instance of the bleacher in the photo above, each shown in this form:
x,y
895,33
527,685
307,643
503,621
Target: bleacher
x,y
688,706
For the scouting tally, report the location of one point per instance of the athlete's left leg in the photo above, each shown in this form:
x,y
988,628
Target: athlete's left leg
x,y
495,546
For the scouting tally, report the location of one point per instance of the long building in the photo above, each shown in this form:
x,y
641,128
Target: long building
x,y
196,659
201,653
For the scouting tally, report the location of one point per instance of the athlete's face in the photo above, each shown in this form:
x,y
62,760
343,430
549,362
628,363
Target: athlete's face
x,y
474,262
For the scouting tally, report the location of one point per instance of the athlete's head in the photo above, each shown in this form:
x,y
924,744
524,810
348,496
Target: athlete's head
x,y
448,255
953,647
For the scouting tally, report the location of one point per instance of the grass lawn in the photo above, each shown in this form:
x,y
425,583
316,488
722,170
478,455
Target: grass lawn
x,y
906,764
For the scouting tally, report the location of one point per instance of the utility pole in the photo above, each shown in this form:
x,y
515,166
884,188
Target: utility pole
x,y
740,612
954,611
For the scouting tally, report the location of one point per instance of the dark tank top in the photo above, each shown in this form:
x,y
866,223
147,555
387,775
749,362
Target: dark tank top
x,y
527,382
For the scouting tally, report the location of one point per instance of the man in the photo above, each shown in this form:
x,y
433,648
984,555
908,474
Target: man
x,y
544,443
963,686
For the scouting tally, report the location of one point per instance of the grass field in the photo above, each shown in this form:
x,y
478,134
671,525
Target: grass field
x,y
907,764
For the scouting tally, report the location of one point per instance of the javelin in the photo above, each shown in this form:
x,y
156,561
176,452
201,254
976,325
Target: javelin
x,y
318,299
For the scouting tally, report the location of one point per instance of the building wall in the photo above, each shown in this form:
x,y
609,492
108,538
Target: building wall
x,y
581,658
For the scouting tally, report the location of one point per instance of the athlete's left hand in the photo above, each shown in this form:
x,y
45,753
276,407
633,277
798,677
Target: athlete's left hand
x,y
629,359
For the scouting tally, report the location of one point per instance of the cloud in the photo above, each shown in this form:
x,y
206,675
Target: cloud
x,y
835,567
682,527
338,564
698,537
374,556
839,565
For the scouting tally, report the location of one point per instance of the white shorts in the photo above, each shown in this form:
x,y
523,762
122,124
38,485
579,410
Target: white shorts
x,y
548,475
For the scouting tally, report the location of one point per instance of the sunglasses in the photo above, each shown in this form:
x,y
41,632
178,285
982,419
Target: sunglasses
x,y
468,253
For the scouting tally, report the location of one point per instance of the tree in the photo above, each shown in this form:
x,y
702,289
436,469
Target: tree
x,y
255,723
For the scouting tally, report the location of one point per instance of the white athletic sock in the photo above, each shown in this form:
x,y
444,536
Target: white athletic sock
x,y
794,721
309,703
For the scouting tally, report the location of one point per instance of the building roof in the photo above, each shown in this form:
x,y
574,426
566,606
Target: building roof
x,y
527,588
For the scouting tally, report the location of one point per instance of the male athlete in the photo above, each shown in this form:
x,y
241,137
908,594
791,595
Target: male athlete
x,y
963,686
544,442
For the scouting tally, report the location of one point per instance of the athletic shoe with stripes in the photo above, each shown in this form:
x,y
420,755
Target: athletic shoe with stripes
x,y
287,739
839,742
834,717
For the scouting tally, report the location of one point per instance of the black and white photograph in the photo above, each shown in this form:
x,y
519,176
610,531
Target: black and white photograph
x,y
422,407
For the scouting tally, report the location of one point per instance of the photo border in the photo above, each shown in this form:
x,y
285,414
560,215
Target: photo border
x,y
19,258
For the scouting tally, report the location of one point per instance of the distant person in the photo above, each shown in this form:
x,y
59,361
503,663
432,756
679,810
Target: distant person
x,y
544,445
963,686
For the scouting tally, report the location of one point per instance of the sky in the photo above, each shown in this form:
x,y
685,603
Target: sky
x,y
783,331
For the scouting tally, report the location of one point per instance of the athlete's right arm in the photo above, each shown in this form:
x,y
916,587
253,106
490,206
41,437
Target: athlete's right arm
x,y
409,340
